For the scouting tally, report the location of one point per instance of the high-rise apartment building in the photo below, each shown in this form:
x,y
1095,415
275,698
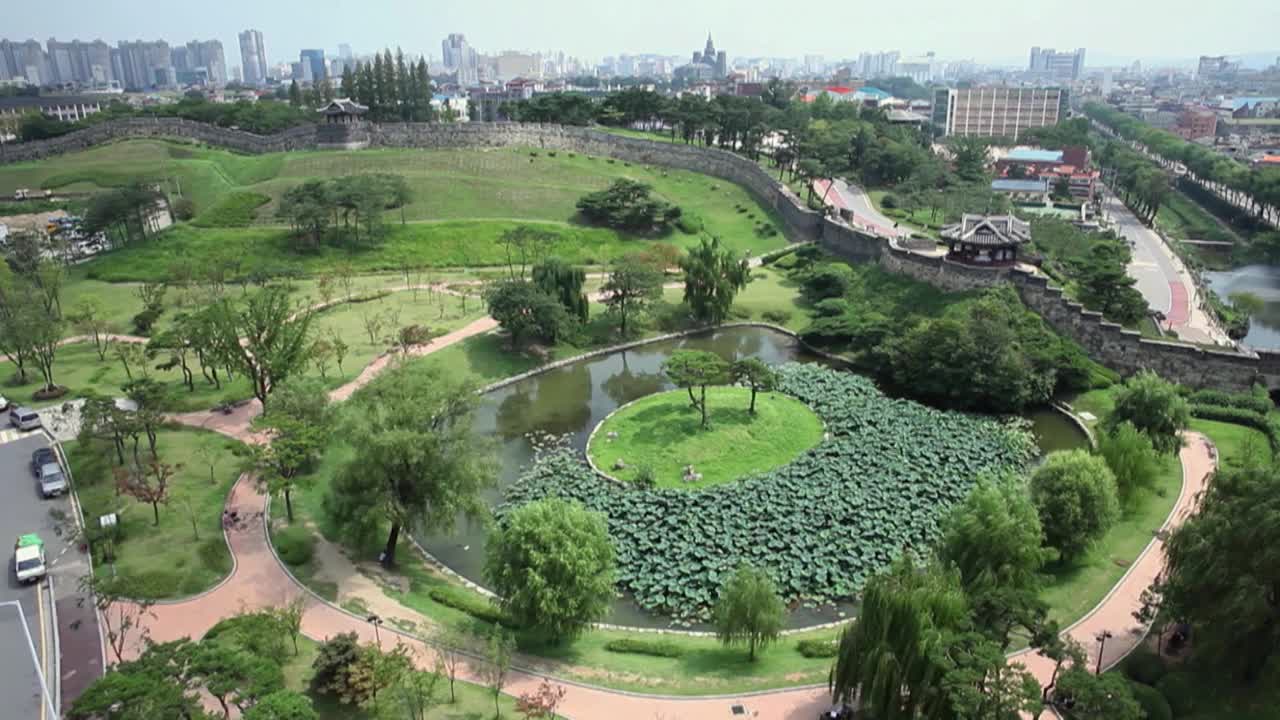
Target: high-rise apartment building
x,y
879,64
145,65
459,57
997,111
316,68
27,61
1057,65
511,65
79,63
1212,67
253,57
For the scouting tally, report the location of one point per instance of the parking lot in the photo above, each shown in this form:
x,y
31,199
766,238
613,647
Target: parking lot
x,y
53,611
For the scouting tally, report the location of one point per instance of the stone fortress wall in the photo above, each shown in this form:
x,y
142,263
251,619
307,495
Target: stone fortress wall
x,y
1108,343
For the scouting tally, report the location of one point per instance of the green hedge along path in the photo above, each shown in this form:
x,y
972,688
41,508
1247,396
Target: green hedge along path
x,y
663,432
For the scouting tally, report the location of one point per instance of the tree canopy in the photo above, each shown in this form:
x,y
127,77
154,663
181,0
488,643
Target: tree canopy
x,y
1075,494
712,278
749,611
628,205
552,564
1154,407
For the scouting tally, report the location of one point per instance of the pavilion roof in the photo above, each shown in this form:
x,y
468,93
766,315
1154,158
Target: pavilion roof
x,y
989,230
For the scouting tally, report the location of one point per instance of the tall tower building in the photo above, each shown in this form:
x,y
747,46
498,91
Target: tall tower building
x,y
253,57
314,60
459,57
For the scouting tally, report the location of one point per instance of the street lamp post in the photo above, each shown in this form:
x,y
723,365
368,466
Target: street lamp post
x,y
376,622
1102,639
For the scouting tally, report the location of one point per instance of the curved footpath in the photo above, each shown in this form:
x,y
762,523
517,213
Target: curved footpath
x,y
259,581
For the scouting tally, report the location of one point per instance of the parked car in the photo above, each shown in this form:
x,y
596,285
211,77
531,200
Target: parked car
x,y
52,480
4,403
41,457
28,558
24,418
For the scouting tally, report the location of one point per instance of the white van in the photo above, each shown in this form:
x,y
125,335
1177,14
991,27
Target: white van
x,y
24,418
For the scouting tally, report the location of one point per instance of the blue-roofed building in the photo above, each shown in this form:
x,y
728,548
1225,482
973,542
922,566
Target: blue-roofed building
x,y
1034,155
871,96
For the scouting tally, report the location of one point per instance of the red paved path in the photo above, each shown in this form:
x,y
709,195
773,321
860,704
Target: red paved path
x,y
1179,305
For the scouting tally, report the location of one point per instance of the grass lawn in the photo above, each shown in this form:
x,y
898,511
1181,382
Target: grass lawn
x,y
1182,218
464,200
772,293
173,559
474,702
664,433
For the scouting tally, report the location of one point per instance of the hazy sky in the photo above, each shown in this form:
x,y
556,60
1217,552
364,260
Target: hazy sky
x,y
995,31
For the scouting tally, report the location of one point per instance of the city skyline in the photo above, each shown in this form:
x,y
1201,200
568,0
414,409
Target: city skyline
x,y
594,32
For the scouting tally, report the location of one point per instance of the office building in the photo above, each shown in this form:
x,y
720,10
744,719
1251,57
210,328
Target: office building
x,y
1213,67
997,111
344,53
253,57
315,69
1057,65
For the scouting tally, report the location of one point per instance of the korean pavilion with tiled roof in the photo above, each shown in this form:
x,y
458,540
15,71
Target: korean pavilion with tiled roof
x,y
986,239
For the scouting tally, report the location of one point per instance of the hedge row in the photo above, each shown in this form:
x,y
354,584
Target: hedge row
x,y
817,648
1239,416
471,604
656,648
1258,403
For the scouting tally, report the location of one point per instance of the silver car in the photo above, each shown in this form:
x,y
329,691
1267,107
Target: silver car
x,y
52,480
24,418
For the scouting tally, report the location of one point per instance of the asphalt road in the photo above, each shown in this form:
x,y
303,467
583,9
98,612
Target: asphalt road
x,y
23,510
1151,265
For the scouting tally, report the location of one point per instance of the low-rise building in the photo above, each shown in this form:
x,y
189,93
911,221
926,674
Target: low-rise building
x,y
452,107
68,108
1196,122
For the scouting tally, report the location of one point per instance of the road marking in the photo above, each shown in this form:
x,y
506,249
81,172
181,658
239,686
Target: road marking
x,y
43,650
8,435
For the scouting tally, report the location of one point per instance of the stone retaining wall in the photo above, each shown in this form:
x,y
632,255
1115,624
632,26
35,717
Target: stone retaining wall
x,y
1106,342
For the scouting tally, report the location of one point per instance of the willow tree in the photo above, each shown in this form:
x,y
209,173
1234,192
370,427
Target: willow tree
x,y
890,658
417,463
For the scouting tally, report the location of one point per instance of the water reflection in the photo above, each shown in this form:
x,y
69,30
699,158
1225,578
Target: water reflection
x,y
1263,281
570,401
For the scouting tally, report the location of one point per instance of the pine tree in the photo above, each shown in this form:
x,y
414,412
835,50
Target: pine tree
x,y
295,94
379,94
365,86
349,82
390,93
404,88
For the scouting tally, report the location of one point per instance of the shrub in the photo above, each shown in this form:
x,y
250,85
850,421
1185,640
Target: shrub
x,y
471,604
1144,666
260,633
817,648
689,224
184,209
333,658
889,202
144,321
1180,689
1259,403
295,545
656,648
1153,703
777,317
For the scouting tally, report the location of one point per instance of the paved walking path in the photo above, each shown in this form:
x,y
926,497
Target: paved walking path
x,y
1114,614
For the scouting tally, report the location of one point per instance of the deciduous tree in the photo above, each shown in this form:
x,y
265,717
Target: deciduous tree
x,y
552,563
749,610
1132,460
1075,495
266,338
1154,407
712,278
416,459
755,374
633,285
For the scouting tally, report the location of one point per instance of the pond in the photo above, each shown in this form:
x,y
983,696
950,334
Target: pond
x,y
570,401
1263,281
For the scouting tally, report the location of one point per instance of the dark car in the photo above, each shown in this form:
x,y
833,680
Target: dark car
x,y
41,457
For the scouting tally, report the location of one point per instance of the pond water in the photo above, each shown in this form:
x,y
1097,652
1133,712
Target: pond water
x,y
1263,281
572,400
